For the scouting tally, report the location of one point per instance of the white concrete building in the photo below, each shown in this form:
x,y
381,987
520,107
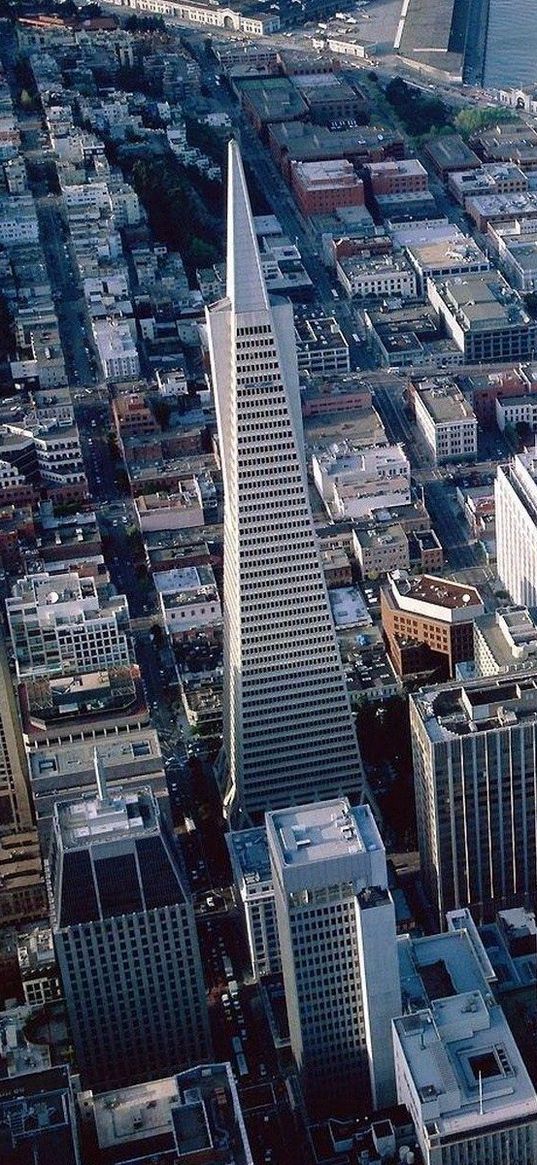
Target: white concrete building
x,y
446,421
188,599
252,875
211,17
354,483
336,926
515,496
18,220
60,624
504,640
285,696
377,276
457,1065
125,940
516,410
473,747
117,349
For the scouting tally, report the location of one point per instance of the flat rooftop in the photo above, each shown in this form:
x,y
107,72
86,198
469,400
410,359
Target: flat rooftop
x,y
483,301
450,151
438,255
324,831
459,1050
249,850
194,1112
190,579
138,749
439,591
444,402
486,704
91,819
348,607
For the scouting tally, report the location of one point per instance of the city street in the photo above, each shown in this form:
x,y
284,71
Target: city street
x,y
66,291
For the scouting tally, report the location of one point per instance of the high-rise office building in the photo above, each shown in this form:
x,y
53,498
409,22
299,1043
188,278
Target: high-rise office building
x,y
252,875
289,735
515,495
458,1068
474,748
336,926
15,802
125,939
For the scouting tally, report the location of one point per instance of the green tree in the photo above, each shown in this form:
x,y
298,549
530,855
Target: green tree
x,y
471,120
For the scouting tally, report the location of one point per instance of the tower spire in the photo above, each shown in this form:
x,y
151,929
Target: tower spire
x,y
245,283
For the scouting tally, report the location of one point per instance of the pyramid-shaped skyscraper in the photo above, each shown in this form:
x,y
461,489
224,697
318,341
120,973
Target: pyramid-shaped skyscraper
x,y
289,735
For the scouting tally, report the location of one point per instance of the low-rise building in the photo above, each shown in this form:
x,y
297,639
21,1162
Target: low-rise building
x,y
353,482
252,875
117,349
337,567
252,22
512,411
445,258
330,98
322,187
458,1068
170,511
491,178
381,547
445,419
349,392
321,347
427,622
425,551
516,243
410,337
510,141
485,317
484,209
477,505
298,141
23,893
18,220
183,1118
406,176
450,152
270,99
188,599
38,1113
377,276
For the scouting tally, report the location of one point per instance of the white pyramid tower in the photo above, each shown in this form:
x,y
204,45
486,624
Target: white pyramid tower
x,y
289,735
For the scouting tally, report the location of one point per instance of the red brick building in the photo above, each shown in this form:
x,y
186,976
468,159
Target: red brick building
x,y
407,176
322,187
428,622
